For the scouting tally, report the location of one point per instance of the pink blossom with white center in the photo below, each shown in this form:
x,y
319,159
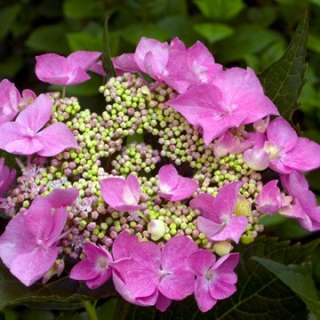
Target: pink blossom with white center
x,y
71,70
26,135
215,279
174,187
28,246
217,220
235,97
95,268
121,194
153,275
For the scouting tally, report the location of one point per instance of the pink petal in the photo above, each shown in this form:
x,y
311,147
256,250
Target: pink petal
x,y
304,156
227,263
232,230
185,188
242,95
32,266
83,270
168,178
202,295
205,203
152,56
98,68
124,245
9,101
199,105
84,59
177,285
59,220
62,197
7,177
269,199
37,114
176,252
281,134
201,261
55,139
125,63
133,190
257,159
221,290
208,227
163,303
101,279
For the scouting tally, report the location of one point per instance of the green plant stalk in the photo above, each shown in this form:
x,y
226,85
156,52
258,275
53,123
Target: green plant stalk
x,y
90,309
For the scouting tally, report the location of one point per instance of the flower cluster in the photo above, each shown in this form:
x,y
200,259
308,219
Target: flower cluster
x,y
156,191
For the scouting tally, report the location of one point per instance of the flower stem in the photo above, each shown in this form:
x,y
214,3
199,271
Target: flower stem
x,y
91,310
64,91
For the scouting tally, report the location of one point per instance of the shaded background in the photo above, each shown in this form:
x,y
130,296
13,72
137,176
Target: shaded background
x,y
238,32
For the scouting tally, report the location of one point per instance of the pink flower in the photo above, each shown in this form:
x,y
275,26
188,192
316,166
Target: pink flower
x,y
95,268
217,220
190,66
11,99
125,63
234,97
304,207
287,152
28,246
154,275
55,69
269,200
174,187
121,194
7,177
24,135
215,280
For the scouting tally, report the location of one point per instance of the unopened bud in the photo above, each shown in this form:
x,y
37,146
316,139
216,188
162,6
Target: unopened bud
x,y
157,228
243,207
222,248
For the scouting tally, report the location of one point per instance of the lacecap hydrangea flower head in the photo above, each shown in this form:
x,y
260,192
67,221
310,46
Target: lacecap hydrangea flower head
x,y
156,192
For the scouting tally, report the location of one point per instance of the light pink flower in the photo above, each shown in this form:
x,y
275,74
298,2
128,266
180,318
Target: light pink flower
x,y
28,246
215,280
125,63
121,194
24,135
95,268
287,152
304,207
11,100
154,275
217,220
7,177
55,69
174,187
189,66
235,97
270,199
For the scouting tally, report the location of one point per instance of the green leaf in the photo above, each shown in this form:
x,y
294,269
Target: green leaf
x,y
82,9
107,58
314,43
213,32
220,9
49,38
10,66
7,18
84,41
283,80
246,40
298,279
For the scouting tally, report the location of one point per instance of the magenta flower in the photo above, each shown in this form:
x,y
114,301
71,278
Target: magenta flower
x,y
217,220
95,268
174,187
235,97
287,152
28,246
125,63
121,194
7,177
190,66
304,207
269,200
11,99
155,275
55,69
24,135
215,280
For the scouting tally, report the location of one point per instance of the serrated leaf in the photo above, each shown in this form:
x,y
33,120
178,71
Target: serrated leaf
x,y
213,32
284,79
220,9
298,279
49,38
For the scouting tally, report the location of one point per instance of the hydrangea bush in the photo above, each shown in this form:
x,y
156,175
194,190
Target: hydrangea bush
x,y
155,192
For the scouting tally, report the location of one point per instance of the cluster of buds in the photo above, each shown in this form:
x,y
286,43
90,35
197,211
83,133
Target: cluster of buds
x,y
170,174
